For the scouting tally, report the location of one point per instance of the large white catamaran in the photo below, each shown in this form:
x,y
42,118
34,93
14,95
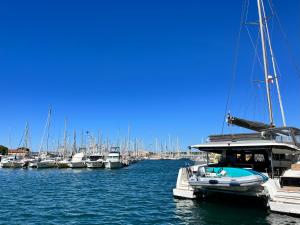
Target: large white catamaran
x,y
258,164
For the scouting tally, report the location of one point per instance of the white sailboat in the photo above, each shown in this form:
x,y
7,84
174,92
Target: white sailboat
x,y
268,152
10,162
45,160
64,162
46,163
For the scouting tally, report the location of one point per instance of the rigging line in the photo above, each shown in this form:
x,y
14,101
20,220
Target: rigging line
x,y
286,40
21,141
234,68
252,73
255,46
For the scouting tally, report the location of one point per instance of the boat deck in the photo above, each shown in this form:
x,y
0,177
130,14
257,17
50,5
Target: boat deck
x,y
289,189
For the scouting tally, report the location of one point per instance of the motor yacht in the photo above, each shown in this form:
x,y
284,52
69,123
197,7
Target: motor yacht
x,y
95,161
78,161
113,159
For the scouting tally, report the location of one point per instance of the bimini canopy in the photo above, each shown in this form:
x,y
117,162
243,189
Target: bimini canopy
x,y
255,145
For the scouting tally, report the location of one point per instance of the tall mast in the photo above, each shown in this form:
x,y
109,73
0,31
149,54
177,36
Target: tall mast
x,y
26,136
74,142
263,45
177,146
48,128
65,139
274,67
46,131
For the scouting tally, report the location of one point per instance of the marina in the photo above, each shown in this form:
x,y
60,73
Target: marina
x,y
136,112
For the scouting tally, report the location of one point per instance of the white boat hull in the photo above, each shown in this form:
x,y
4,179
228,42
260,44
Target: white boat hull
x,y
63,164
113,165
94,164
75,165
11,165
47,164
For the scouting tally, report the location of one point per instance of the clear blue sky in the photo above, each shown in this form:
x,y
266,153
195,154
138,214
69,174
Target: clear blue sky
x,y
164,67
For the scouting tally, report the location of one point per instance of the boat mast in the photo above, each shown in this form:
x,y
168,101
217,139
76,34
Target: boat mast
x,y
65,139
263,45
274,67
46,131
26,138
74,143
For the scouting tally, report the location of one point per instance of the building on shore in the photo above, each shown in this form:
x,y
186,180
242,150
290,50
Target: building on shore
x,y
19,152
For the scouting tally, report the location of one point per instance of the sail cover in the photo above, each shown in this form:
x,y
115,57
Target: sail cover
x,y
251,125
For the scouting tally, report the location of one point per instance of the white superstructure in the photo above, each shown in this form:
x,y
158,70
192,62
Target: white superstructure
x,y
113,160
78,161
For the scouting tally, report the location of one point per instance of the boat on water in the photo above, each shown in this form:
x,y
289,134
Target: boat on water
x,y
64,163
284,193
226,179
46,163
113,159
33,163
10,162
78,161
265,158
95,161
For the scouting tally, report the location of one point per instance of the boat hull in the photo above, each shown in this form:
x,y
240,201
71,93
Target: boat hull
x,y
77,165
12,165
113,165
62,165
45,165
95,164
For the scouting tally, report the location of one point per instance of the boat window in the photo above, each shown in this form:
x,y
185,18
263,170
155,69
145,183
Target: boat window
x,y
278,156
248,157
259,158
290,181
284,138
297,137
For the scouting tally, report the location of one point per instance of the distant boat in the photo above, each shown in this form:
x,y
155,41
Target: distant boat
x,y
63,163
46,163
78,161
95,161
10,162
113,160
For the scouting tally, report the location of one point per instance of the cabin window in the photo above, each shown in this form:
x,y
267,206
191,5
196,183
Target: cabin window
x,y
248,157
259,158
297,138
278,156
290,181
284,138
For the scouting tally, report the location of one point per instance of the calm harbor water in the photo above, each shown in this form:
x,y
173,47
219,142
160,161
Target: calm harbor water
x,y
139,194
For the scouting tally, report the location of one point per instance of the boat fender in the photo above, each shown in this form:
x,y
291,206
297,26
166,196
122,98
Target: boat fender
x,y
213,181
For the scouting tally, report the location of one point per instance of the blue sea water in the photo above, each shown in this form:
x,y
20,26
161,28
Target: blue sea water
x,y
139,194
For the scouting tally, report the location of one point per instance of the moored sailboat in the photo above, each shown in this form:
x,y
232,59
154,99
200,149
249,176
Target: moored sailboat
x,y
266,152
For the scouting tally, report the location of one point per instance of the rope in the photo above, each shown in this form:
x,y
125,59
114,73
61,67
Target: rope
x,y
252,74
234,68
